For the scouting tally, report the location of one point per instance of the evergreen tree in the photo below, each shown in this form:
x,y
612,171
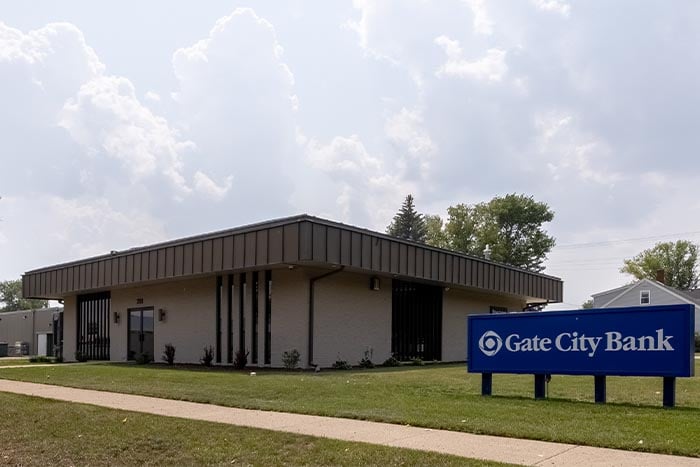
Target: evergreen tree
x,y
408,223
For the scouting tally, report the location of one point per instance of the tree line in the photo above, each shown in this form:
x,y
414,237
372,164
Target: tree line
x,y
508,229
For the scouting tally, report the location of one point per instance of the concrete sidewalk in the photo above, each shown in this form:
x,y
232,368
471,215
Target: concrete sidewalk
x,y
516,451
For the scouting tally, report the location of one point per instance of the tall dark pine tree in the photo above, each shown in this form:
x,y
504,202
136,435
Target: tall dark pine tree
x,y
408,223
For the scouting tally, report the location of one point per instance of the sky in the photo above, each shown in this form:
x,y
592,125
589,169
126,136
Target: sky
x,y
128,123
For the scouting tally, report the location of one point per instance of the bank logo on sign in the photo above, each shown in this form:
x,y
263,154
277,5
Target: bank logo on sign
x,y
490,343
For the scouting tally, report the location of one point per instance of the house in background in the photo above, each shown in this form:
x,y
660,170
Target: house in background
x,y
329,290
648,292
39,331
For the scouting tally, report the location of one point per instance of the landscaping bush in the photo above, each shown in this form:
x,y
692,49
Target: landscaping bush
x,y
143,358
169,354
80,356
58,359
241,360
39,359
342,365
697,341
208,356
391,361
366,361
417,361
290,359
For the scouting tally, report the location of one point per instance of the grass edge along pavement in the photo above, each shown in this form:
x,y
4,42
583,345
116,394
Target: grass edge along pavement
x,y
47,432
443,397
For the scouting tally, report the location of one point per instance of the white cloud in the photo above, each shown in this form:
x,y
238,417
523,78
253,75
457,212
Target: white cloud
x,y
567,148
482,22
557,6
406,131
366,187
152,96
106,117
343,157
60,229
208,187
491,67
236,41
48,48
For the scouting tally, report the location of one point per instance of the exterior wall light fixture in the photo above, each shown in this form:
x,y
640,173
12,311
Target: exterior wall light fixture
x,y
374,283
117,317
161,314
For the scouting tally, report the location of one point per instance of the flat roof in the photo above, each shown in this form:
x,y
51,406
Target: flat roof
x,y
295,240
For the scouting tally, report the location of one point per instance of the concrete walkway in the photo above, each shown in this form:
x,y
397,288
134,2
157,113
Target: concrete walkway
x,y
516,451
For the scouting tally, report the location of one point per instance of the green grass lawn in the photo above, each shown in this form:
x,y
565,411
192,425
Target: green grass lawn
x,y
13,361
45,432
434,396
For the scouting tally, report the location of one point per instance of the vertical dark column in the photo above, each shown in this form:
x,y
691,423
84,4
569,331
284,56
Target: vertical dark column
x,y
540,385
268,318
100,330
91,328
669,391
486,384
218,319
107,314
600,390
229,319
241,312
438,324
254,325
78,323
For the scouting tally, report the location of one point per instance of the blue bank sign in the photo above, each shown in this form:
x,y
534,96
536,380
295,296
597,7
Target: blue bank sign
x,y
639,341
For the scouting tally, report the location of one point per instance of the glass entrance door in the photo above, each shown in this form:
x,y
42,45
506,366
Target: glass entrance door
x,y
141,333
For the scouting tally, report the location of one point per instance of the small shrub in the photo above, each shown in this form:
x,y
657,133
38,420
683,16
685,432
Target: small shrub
x,y
143,358
39,359
240,360
290,359
417,361
342,365
697,341
391,361
366,361
169,354
58,359
208,356
80,356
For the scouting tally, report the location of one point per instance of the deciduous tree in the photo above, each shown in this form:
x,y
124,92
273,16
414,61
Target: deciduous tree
x,y
510,225
11,298
678,260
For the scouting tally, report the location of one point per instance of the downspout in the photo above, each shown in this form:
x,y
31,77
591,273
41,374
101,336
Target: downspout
x,y
35,338
312,282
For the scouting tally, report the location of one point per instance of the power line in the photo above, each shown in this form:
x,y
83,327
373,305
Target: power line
x,y
623,240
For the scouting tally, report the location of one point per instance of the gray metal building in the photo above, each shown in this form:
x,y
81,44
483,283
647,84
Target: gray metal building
x,y
37,331
328,290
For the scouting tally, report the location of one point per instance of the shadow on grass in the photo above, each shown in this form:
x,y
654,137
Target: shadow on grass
x,y
280,371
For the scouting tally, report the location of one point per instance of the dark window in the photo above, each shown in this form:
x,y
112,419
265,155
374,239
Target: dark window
x,y
219,293
229,320
254,324
498,309
92,338
268,317
644,297
241,311
416,329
